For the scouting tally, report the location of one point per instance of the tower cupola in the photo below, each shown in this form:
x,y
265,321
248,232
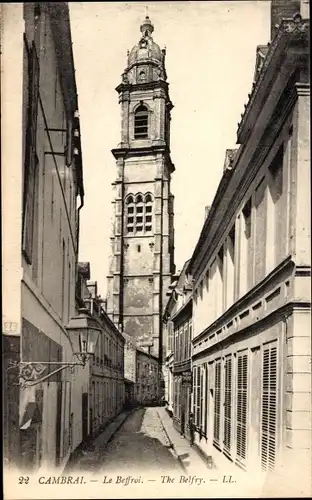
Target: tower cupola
x,y
147,27
146,60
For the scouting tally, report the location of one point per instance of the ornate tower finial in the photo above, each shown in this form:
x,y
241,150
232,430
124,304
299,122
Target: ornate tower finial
x,y
147,27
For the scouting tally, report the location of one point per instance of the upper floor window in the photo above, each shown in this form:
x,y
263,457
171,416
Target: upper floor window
x,y
139,213
141,122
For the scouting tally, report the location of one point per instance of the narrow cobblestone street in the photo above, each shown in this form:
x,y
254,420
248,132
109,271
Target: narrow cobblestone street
x,y
140,444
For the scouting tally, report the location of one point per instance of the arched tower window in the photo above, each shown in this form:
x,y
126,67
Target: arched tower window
x,y
148,212
139,209
141,122
130,211
142,76
139,214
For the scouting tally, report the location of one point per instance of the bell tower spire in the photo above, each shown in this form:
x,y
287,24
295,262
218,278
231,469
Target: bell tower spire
x,y
143,233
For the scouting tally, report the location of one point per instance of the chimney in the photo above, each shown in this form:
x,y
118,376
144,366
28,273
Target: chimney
x,y
283,9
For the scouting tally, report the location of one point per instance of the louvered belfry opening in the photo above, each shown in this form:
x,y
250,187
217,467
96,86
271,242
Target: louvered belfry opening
x,y
141,123
241,409
217,406
269,407
228,404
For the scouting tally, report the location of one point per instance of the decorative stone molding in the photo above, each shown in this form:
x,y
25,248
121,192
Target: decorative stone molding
x,y
297,27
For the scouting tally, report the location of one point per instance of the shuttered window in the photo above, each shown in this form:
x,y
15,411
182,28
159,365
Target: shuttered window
x,y
31,159
170,335
241,409
141,123
269,407
185,340
197,417
194,394
206,399
190,339
201,397
217,406
176,352
227,404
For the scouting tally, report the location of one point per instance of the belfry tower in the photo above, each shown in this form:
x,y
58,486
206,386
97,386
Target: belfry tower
x,y
142,242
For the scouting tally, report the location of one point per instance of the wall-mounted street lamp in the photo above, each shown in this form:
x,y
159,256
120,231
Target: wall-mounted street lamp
x,y
83,333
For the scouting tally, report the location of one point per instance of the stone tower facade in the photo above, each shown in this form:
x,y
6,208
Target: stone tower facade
x,y
142,242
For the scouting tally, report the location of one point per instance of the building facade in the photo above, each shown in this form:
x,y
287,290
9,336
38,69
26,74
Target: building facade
x,y
44,183
143,236
141,371
178,324
107,388
251,276
147,378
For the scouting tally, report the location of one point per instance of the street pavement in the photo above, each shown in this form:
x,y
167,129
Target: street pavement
x,y
140,440
141,444
142,447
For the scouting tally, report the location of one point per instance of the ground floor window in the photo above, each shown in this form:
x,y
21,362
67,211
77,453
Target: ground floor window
x,y
227,421
269,406
242,405
217,405
235,402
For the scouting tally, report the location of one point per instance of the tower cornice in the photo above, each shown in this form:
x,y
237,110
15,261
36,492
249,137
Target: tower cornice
x,y
127,152
131,87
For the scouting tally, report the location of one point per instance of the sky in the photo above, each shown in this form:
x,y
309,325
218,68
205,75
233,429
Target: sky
x,y
210,61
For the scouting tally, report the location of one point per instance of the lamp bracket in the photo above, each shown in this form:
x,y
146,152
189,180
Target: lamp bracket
x,y
32,372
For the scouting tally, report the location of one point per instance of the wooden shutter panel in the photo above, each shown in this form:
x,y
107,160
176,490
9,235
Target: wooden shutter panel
x,y
194,393
170,335
206,396
198,397
228,405
217,406
269,407
201,400
31,160
242,403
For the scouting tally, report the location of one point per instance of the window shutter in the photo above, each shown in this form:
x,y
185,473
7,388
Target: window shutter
x,y
269,407
198,397
185,340
194,394
228,404
141,123
206,400
217,406
190,339
242,402
170,335
201,400
31,160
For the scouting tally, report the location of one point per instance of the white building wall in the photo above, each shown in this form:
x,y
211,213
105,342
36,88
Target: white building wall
x,y
12,27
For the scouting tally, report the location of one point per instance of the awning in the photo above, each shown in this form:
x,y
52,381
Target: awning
x,y
32,415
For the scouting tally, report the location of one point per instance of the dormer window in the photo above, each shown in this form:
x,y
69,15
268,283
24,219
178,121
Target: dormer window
x,y
141,123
